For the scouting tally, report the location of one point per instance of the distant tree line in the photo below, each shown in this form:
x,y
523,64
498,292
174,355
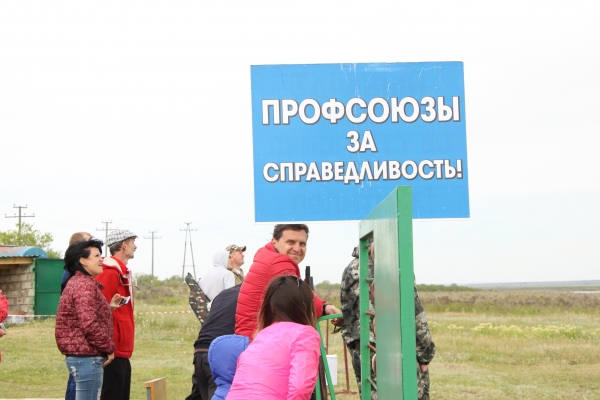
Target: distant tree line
x,y
147,279
326,285
443,288
175,280
29,237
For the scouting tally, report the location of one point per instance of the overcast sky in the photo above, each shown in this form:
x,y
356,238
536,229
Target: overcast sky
x,y
139,113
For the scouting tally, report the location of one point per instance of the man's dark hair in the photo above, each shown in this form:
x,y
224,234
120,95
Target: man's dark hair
x,y
117,246
288,298
75,252
279,228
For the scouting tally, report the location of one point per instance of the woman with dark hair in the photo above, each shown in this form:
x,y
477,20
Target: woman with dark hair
x,y
282,362
84,329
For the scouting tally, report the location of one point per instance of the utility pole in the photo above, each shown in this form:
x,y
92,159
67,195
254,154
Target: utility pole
x,y
106,229
153,237
188,231
19,216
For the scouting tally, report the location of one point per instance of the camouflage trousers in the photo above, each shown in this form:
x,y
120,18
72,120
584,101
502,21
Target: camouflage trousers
x,y
423,384
422,377
354,348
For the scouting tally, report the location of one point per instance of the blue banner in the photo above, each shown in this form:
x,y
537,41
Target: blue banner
x,y
331,141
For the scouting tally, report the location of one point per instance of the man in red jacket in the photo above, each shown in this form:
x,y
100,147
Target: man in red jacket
x,y
116,278
279,257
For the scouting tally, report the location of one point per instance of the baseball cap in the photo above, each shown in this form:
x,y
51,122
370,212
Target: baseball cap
x,y
119,235
233,247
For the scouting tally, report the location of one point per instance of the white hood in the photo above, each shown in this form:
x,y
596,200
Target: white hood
x,y
217,278
221,259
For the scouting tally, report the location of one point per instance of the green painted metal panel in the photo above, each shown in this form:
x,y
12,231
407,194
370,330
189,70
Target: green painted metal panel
x,y
324,359
365,363
48,276
390,224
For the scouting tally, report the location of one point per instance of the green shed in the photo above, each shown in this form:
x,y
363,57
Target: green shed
x,y
48,277
30,280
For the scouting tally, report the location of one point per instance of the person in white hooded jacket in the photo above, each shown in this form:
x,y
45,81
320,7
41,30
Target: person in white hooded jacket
x,y
218,278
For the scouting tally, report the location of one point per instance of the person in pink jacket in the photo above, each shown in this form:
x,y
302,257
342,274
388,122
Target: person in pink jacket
x,y
283,360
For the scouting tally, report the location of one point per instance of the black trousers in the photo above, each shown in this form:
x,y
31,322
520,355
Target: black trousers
x,y
203,386
117,380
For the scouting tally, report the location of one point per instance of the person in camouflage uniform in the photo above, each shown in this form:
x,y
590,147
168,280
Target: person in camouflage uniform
x,y
350,295
350,300
425,348
236,260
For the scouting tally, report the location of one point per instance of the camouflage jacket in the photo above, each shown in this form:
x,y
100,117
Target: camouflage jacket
x,y
350,300
239,277
425,345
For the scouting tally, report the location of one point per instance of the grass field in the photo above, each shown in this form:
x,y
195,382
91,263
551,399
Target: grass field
x,y
490,345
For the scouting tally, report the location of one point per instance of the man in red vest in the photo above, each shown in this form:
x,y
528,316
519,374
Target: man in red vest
x,y
280,256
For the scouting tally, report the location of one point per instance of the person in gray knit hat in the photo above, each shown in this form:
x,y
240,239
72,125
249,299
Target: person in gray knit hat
x,y
116,278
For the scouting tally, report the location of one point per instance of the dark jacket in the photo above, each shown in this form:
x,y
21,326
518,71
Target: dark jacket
x,y
221,320
83,319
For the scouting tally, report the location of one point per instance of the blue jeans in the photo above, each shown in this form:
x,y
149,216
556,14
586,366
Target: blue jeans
x,y
87,373
70,393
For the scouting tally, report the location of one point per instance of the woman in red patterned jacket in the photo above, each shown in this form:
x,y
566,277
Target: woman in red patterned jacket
x,y
84,329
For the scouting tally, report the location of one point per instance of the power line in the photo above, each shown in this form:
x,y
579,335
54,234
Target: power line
x,y
153,237
106,229
188,231
19,216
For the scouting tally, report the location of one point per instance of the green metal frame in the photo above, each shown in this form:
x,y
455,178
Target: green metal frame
x,y
390,224
324,358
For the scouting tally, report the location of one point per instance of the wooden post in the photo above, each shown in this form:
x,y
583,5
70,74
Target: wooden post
x,y
156,389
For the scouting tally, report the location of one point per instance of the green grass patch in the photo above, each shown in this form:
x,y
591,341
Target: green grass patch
x,y
490,345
